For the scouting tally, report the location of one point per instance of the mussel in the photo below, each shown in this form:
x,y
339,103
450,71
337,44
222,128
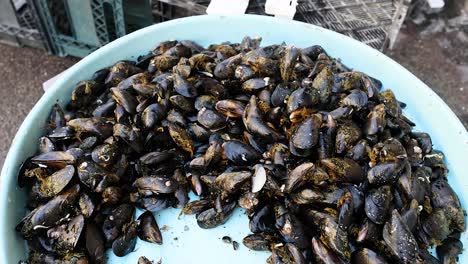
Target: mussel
x,y
326,167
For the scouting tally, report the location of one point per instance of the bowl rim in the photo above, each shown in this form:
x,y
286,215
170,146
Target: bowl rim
x,y
6,177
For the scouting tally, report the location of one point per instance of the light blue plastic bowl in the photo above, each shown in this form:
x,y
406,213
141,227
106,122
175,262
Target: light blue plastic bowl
x,y
184,242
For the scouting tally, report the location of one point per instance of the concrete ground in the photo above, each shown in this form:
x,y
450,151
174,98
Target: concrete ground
x,y
441,61
22,72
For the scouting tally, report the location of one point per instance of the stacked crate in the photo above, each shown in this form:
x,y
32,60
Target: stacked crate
x,y
373,22
18,25
78,27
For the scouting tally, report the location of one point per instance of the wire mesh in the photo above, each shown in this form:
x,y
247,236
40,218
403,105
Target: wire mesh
x,y
101,21
25,18
22,31
365,20
108,19
164,10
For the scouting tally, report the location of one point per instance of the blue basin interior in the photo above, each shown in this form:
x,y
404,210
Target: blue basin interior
x,y
184,242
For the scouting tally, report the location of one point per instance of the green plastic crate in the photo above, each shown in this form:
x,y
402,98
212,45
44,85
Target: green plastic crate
x,y
78,27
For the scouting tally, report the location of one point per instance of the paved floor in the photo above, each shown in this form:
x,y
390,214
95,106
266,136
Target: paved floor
x,y
22,72
441,61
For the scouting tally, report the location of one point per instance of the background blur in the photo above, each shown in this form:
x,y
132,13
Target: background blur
x,y
41,38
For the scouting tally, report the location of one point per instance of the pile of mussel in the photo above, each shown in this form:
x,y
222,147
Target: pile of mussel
x,y
324,163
